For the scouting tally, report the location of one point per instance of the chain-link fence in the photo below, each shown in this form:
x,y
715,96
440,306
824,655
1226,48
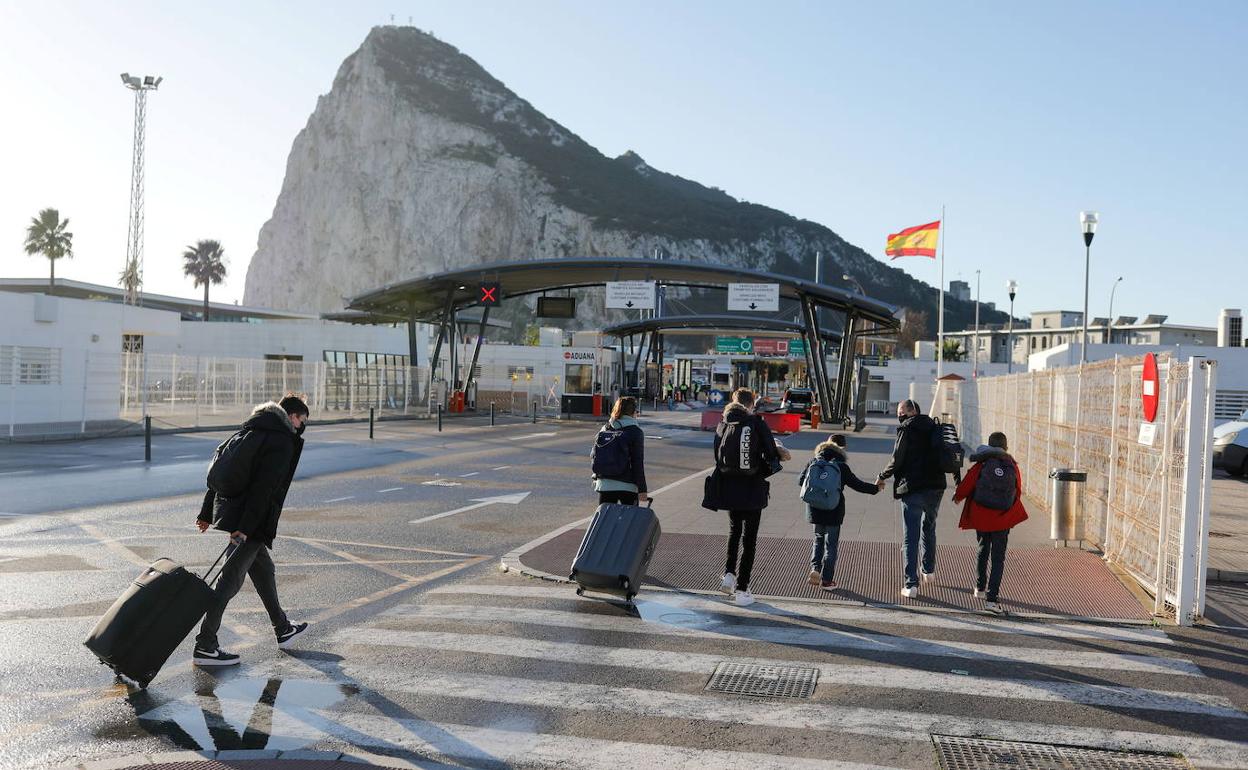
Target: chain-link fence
x,y
1146,495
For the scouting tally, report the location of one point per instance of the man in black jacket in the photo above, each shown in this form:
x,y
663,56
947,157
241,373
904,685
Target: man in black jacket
x,y
919,483
276,430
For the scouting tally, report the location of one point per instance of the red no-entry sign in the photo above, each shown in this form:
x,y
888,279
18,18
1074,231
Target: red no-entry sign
x,y
1150,387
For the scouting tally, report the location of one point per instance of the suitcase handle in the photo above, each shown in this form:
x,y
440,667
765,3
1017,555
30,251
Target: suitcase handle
x,y
226,553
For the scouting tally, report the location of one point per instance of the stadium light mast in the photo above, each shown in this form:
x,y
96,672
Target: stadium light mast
x,y
132,276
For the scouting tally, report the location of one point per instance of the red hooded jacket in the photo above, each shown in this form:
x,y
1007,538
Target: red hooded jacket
x,y
979,518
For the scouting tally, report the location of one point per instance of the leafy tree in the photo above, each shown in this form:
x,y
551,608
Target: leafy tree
x,y
205,262
913,329
953,351
49,235
130,280
532,335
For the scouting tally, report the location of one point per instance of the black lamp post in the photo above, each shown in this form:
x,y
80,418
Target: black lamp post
x,y
1012,287
1088,220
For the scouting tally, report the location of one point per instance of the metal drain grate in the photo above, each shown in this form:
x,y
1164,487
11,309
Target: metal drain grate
x,y
764,681
957,753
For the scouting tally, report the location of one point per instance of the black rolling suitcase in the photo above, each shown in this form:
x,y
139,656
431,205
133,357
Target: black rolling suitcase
x,y
152,617
616,550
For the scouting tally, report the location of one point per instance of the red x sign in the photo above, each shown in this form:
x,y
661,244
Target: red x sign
x,y
490,293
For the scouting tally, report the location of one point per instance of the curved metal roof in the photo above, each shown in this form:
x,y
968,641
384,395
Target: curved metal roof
x,y
703,324
426,298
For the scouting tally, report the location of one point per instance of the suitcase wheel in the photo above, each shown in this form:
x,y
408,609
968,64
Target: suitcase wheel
x,y
624,583
580,591
629,597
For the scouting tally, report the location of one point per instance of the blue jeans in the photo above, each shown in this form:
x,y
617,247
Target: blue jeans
x,y
823,552
918,512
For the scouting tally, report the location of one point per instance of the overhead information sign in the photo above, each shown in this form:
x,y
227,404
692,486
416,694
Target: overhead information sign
x,y
734,345
630,295
760,297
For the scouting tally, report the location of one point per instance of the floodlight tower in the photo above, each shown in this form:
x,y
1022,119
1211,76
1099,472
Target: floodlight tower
x,y
132,276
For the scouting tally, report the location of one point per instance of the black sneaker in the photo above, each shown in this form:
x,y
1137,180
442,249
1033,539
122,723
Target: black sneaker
x,y
217,657
286,637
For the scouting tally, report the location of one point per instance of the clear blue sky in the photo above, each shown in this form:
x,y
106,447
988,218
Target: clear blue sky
x,y
865,117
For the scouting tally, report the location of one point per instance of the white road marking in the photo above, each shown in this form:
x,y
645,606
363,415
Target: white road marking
x,y
389,489
340,499
468,475
486,745
184,457
502,467
884,723
530,435
829,673
830,639
678,482
480,502
780,610
15,473
127,462
77,467
441,483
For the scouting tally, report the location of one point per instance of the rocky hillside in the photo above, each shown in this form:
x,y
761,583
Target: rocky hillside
x,y
418,161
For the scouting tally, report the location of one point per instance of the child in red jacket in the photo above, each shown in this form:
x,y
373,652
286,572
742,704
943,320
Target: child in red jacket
x,y
993,491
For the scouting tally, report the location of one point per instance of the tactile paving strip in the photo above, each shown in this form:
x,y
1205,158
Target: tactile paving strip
x,y
957,753
764,681
1058,581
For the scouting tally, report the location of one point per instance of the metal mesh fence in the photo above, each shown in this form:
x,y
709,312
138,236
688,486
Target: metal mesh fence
x,y
1135,498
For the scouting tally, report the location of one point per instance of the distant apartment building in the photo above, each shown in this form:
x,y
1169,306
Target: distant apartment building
x,y
1231,329
960,290
1052,328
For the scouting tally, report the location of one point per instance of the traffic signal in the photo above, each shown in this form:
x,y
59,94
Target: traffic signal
x,y
490,293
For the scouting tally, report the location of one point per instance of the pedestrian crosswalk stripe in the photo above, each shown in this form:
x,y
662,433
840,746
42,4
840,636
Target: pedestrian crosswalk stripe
x,y
839,612
830,638
480,745
882,723
1118,697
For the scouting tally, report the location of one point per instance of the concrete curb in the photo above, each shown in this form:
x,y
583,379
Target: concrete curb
x,y
1213,575
297,755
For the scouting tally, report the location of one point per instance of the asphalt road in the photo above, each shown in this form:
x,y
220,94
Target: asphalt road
x,y
420,648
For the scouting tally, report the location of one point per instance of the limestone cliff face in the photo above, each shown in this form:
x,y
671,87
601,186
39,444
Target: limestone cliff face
x,y
418,161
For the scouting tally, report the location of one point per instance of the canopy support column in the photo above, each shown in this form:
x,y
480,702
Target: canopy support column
x,y
437,348
413,360
845,373
814,343
476,351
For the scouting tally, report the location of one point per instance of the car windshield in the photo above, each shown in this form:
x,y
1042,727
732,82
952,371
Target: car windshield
x,y
798,395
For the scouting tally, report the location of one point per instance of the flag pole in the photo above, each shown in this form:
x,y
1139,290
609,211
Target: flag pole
x,y
940,293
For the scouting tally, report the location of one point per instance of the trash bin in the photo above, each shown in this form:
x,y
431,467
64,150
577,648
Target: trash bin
x,y
1066,522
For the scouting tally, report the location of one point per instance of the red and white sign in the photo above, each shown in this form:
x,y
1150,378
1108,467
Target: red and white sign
x,y
770,347
1150,387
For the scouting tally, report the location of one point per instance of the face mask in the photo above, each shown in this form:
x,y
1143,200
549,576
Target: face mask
x,y
902,417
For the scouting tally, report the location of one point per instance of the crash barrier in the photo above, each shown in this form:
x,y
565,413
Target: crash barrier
x,y
1146,499
780,422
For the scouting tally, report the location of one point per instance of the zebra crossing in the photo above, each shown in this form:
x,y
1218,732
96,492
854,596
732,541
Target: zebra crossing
x,y
527,674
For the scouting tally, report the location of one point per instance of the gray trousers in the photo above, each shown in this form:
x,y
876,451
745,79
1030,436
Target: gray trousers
x,y
251,559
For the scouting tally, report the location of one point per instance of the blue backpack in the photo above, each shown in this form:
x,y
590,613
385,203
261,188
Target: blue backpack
x,y
610,458
821,487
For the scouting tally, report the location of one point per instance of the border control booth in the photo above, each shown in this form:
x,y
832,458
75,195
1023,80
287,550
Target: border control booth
x,y
756,301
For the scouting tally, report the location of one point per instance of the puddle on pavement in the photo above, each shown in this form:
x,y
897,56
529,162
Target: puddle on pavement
x,y
653,611
229,712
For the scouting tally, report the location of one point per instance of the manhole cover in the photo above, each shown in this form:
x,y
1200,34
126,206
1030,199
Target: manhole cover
x,y
956,753
764,681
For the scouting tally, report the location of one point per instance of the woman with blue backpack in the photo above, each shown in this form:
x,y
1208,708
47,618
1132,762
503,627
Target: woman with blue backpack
x,y
618,460
823,483
993,491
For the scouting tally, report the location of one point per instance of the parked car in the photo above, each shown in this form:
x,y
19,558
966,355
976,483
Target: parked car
x,y
797,401
1230,446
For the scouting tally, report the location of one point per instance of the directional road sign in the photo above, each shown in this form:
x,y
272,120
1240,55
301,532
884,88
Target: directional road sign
x,y
630,295
761,297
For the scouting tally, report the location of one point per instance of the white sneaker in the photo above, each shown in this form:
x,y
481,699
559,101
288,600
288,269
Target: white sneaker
x,y
728,582
926,576
743,598
994,607
980,594
910,592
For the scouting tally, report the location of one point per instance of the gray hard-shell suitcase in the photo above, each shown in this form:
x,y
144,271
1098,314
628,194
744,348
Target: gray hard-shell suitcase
x,y
152,617
616,550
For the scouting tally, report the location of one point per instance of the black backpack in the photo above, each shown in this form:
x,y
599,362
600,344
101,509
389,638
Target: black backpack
x,y
997,485
610,458
739,453
948,447
229,473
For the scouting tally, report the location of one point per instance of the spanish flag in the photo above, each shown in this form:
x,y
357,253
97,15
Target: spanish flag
x,y
919,241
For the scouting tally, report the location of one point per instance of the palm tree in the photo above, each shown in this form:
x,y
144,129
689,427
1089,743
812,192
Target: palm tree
x,y
953,351
205,262
48,235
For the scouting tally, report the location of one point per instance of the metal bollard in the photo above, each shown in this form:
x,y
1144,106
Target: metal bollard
x,y
533,411
491,414
439,418
372,413
147,439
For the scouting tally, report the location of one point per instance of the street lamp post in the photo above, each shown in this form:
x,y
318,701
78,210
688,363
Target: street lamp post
x,y
975,354
1012,287
1109,328
1088,220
